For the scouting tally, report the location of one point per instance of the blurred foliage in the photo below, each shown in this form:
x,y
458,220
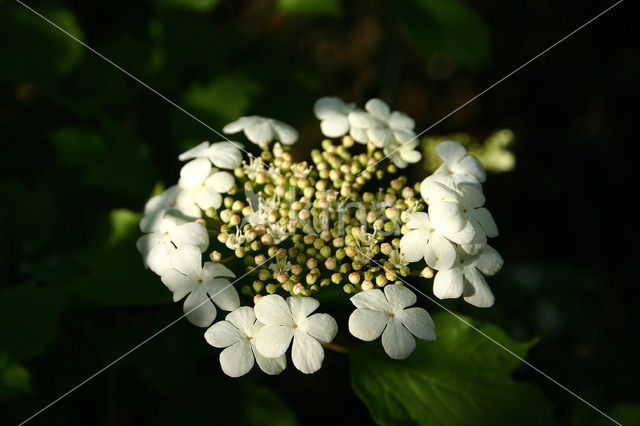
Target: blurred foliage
x,y
494,152
85,144
461,379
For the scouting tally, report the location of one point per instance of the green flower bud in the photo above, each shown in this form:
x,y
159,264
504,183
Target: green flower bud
x,y
381,280
354,278
267,240
258,286
256,245
331,263
246,290
271,288
287,285
325,251
345,268
366,285
350,251
222,237
349,289
215,256
260,259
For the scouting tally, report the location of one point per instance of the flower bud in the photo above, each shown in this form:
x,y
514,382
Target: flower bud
x,y
225,215
336,278
267,240
240,252
390,275
354,278
215,256
256,245
350,251
287,285
258,286
260,259
427,272
386,249
256,298
367,285
222,237
349,289
331,263
297,289
271,288
381,280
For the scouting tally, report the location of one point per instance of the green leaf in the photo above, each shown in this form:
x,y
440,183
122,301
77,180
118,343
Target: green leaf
x,y
29,318
444,25
14,378
37,51
461,379
310,7
196,5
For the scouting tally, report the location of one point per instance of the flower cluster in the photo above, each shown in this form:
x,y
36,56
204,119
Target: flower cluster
x,y
291,229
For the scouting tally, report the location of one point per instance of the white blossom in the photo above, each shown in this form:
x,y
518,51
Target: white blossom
x,y
203,285
159,205
225,155
403,153
466,277
278,232
261,130
458,167
234,241
388,314
425,241
237,335
333,113
380,125
281,265
158,248
201,184
289,320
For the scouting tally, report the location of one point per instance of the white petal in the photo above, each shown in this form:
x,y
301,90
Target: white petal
x,y
463,236
472,194
223,293
321,327
380,136
400,120
195,171
199,309
259,132
160,258
301,307
306,353
195,152
208,198
237,359
472,167
216,270
286,134
476,290
418,322
190,234
271,366
378,109
399,297
397,342
446,217
410,156
243,319
439,253
238,125
484,218
222,334
273,340
335,125
273,310
359,134
326,106
220,182
178,283
371,299
419,220
489,261
225,155
362,120
450,151
188,260
412,245
448,284
366,324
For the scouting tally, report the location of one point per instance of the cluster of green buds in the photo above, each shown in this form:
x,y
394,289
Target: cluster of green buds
x,y
324,223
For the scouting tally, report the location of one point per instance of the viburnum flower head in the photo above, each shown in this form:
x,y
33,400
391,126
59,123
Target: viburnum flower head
x,y
158,248
289,320
381,126
389,314
465,277
261,130
206,286
237,334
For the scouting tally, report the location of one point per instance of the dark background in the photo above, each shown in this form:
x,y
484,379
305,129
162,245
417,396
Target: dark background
x,y
81,141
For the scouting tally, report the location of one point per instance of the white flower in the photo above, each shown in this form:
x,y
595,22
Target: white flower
x,y
333,113
158,248
237,334
203,285
465,278
290,320
425,241
225,155
458,167
403,153
235,240
281,265
278,232
159,205
388,314
261,130
397,259
380,125
202,184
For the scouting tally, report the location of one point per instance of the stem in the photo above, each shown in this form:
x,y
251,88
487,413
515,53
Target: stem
x,y
337,348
